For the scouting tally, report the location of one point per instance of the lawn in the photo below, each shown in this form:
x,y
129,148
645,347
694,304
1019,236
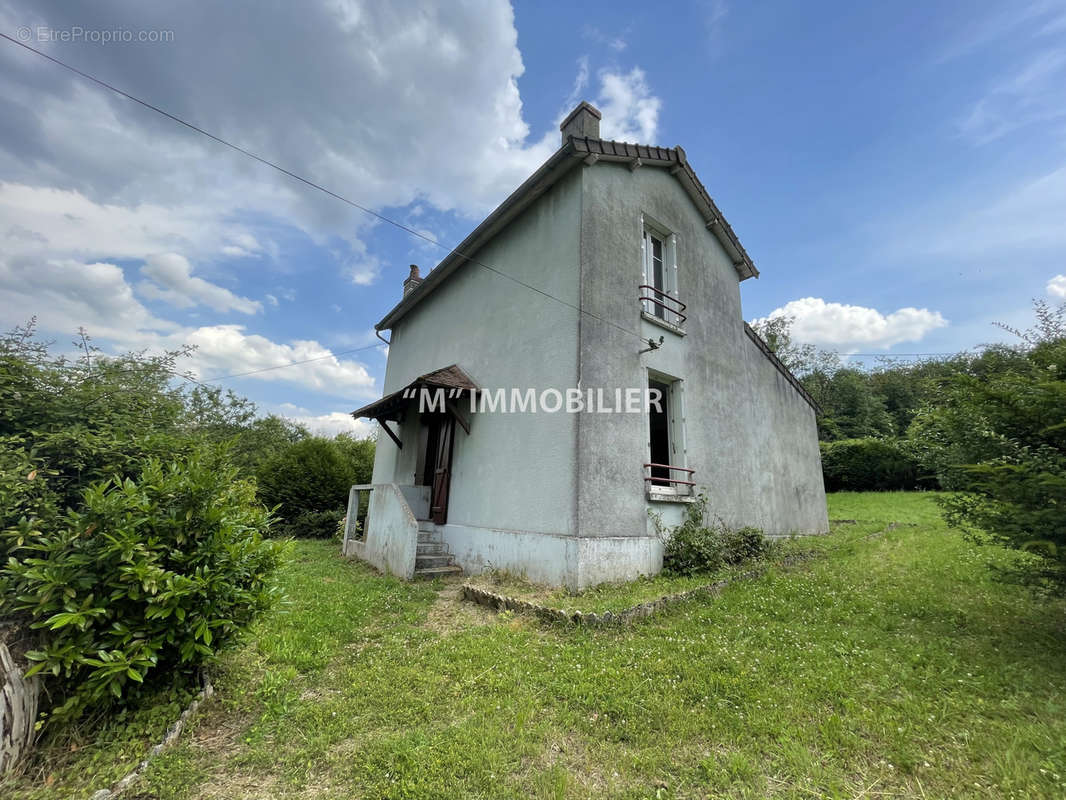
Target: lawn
x,y
892,665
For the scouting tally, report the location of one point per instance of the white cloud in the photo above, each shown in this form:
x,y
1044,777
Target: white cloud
x,y
364,272
1056,287
581,82
849,327
388,104
69,294
65,294
615,42
236,251
429,112
229,350
171,280
334,423
67,223
630,110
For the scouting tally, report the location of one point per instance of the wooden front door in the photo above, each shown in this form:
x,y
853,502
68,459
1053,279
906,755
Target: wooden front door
x,y
442,430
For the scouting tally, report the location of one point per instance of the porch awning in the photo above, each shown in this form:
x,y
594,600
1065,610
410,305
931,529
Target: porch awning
x,y
392,406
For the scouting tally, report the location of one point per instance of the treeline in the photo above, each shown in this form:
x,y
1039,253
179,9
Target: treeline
x,y
303,478
989,427
140,517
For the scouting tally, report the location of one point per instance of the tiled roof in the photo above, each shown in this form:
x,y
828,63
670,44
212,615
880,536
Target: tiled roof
x,y
674,159
449,378
580,150
445,378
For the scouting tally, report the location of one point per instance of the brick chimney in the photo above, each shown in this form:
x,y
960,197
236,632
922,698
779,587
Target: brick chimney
x,y
582,121
412,281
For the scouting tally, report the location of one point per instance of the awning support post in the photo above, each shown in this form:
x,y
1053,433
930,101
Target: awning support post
x,y
392,435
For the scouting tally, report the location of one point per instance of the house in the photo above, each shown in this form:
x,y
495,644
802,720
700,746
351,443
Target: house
x,y
609,276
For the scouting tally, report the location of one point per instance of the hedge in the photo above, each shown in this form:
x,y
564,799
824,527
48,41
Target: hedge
x,y
871,464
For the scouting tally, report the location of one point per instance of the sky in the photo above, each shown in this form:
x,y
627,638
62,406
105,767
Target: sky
x,y
897,172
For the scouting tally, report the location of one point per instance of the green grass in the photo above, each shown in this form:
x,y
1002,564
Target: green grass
x,y
892,666
876,510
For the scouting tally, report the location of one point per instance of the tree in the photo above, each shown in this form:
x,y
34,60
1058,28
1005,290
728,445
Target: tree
x,y
128,544
856,402
997,433
850,407
308,482
801,359
262,439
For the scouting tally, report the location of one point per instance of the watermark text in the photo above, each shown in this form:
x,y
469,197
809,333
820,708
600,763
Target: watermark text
x,y
573,400
77,34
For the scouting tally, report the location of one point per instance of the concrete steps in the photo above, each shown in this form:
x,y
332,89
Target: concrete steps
x,y
428,573
432,559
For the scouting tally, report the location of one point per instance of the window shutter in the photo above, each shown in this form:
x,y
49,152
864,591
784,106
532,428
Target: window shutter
x,y
643,260
673,265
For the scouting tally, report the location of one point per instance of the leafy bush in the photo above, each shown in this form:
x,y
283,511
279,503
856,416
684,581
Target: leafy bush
x,y
743,544
128,545
311,525
693,547
147,577
309,481
1000,439
870,464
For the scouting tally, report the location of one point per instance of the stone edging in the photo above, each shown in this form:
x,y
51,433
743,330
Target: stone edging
x,y
501,602
172,734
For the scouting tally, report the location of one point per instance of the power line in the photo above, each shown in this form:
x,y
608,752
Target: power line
x,y
311,183
372,213
294,363
74,365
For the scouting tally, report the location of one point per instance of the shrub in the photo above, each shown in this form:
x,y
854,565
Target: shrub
x,y
310,479
311,525
745,544
693,547
870,464
1000,439
147,578
129,550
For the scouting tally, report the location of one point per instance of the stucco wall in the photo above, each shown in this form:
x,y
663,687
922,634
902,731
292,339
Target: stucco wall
x,y
541,557
748,434
513,471
392,536
561,497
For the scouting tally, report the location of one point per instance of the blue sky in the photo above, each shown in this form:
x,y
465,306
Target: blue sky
x,y
897,173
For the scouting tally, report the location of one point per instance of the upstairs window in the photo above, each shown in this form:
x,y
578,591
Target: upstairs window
x,y
658,291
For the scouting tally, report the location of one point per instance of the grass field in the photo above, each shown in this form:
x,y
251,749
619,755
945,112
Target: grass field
x,y
893,665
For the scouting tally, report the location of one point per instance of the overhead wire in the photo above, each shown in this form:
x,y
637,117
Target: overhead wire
x,y
308,182
366,210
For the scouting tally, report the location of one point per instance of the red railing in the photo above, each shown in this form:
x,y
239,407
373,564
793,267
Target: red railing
x,y
677,308
662,480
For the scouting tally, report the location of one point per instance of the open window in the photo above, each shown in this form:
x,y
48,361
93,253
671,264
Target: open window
x,y
658,290
665,471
